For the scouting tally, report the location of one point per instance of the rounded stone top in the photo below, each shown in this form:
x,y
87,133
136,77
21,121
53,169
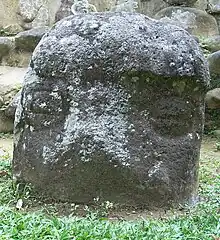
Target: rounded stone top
x,y
115,43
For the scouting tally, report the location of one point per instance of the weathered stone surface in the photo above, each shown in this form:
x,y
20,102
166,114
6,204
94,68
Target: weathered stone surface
x,y
111,113
6,44
214,63
103,5
10,78
217,18
6,123
10,83
212,43
201,4
11,107
10,30
16,58
37,13
213,6
197,22
186,3
65,7
151,7
28,40
64,10
212,98
8,9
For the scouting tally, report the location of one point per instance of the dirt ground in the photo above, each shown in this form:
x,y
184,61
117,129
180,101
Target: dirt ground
x,y
7,144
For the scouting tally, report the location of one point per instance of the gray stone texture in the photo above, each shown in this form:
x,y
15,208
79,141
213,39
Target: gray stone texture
x,y
28,40
212,43
201,4
212,98
213,6
151,7
10,109
64,10
10,83
6,44
11,30
37,13
217,18
186,3
111,113
197,22
65,7
214,63
8,14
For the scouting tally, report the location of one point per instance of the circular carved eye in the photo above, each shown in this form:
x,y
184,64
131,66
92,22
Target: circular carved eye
x,y
46,103
43,109
172,116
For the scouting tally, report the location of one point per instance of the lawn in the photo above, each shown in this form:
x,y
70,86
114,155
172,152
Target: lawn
x,y
36,220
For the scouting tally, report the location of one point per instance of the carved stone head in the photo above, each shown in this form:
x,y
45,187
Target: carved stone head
x,y
112,107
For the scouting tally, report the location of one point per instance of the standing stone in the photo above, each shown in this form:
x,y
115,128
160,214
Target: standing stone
x,y
111,113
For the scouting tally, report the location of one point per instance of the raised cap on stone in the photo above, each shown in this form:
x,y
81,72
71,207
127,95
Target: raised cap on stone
x,y
112,107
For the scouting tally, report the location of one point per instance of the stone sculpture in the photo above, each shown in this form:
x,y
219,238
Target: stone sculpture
x,y
111,113
82,6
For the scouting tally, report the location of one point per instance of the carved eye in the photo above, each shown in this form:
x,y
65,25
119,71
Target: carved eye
x,y
43,109
172,116
46,103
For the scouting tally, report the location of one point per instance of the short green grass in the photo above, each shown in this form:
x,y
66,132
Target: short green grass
x,y
201,222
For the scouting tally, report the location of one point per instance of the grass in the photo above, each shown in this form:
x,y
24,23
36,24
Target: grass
x,y
201,222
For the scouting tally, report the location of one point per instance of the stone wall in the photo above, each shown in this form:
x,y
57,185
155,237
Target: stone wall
x,y
8,12
29,13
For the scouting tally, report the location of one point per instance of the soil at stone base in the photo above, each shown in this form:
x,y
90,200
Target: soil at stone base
x,y
208,152
6,143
